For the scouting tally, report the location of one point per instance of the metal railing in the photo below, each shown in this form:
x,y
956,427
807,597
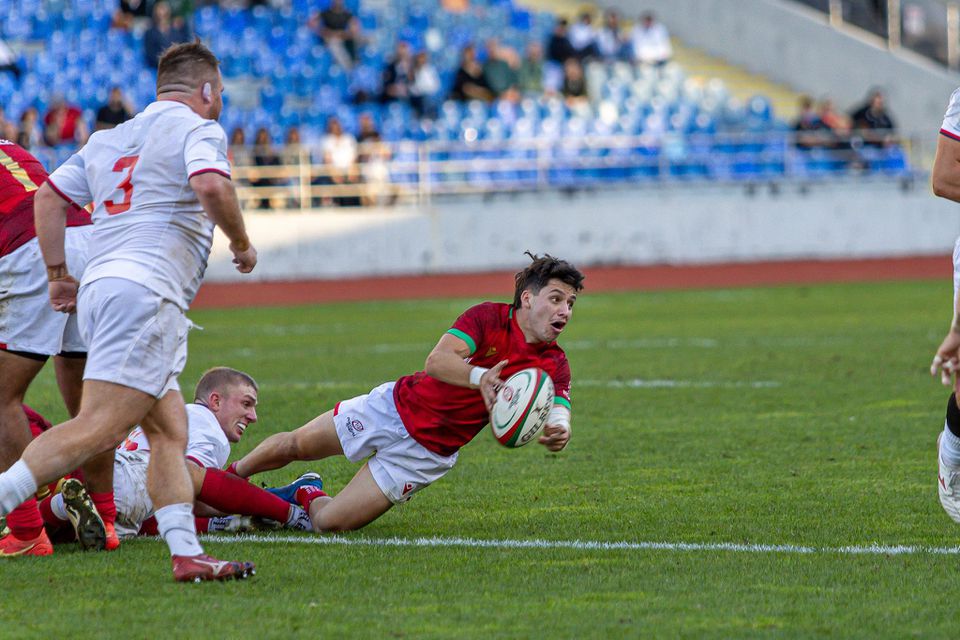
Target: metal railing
x,y
417,172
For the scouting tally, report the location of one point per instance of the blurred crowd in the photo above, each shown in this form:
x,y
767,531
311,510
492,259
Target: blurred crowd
x,y
820,126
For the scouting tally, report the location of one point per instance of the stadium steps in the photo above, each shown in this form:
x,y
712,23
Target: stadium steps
x,y
697,64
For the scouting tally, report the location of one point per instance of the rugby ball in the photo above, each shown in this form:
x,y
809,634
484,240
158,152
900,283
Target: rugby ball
x,y
522,407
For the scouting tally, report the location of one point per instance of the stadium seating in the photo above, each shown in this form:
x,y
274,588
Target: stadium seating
x,y
641,123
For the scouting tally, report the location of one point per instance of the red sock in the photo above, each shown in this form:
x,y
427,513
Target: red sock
x,y
105,506
231,494
307,494
25,521
202,524
149,527
50,519
232,470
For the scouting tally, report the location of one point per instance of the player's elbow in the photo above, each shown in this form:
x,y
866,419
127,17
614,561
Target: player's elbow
x,y
46,201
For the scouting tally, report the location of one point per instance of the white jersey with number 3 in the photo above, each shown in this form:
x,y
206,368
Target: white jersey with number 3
x,y
148,225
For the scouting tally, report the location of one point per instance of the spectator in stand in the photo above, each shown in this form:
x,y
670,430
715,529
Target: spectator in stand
x,y
583,37
559,49
29,133
574,86
530,74
366,129
63,124
339,151
398,75
809,130
237,152
128,13
650,41
340,32
872,122
264,156
374,157
836,123
8,129
611,44
8,60
114,112
500,71
455,6
426,86
469,84
162,33
292,146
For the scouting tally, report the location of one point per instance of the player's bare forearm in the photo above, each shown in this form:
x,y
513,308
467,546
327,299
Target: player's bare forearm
x,y
448,366
50,218
276,451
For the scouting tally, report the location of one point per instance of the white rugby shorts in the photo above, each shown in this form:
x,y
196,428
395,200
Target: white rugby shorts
x,y
369,426
130,491
27,321
135,337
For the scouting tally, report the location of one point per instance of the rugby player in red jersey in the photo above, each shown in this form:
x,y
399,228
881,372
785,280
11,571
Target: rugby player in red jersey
x,y
409,431
30,332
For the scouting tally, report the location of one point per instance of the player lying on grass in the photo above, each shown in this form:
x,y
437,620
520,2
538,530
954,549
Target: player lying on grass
x,y
410,430
224,406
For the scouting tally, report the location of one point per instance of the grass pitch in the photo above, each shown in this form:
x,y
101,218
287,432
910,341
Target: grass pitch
x,y
727,420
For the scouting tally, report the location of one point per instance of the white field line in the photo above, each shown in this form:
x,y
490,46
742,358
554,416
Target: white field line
x,y
586,545
640,383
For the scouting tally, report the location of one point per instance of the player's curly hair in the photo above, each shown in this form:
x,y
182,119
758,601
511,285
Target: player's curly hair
x,y
186,66
543,269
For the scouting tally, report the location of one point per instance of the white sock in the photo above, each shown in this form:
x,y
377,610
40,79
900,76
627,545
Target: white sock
x,y
950,448
16,485
176,526
59,508
299,519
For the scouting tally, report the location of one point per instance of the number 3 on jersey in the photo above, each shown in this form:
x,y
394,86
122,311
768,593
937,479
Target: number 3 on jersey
x,y
126,163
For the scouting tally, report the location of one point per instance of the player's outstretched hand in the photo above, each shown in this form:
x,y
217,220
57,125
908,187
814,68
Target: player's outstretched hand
x,y
490,384
63,294
946,361
554,438
245,260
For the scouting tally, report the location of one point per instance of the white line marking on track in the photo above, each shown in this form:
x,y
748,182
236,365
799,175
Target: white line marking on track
x,y
587,545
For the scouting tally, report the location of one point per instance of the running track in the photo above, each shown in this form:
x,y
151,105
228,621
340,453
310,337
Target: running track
x,y
240,294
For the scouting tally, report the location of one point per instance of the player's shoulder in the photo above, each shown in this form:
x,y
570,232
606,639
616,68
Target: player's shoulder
x,y
499,310
953,106
16,152
200,418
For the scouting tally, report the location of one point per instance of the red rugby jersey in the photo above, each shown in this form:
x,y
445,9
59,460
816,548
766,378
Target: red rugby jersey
x,y
21,175
443,417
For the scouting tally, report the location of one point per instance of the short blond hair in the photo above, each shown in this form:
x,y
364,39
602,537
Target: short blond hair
x,y
186,66
219,379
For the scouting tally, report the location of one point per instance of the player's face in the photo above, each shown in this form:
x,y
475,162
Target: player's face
x,y
549,311
237,409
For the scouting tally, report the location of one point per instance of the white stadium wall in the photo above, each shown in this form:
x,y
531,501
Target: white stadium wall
x,y
792,44
635,227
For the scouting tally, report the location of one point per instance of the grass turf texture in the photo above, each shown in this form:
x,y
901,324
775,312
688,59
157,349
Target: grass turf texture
x,y
797,416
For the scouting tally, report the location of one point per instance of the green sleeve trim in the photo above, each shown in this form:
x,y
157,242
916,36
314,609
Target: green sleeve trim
x,y
465,338
561,401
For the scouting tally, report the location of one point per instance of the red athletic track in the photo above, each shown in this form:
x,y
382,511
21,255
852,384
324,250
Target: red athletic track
x,y
240,294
